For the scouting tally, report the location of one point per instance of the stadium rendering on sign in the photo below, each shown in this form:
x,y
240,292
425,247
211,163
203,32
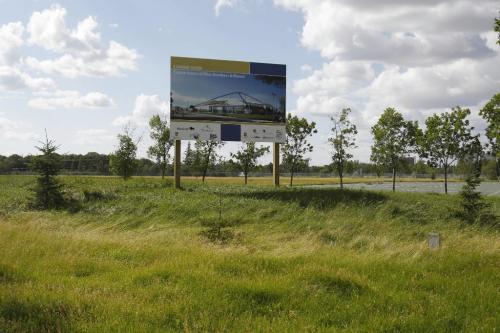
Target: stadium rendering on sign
x,y
227,91
237,105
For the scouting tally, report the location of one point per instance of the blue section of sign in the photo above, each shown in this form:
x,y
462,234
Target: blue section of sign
x,y
230,132
267,69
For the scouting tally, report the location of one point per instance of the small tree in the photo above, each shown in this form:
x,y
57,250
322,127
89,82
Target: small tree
x,y
246,158
160,150
48,190
189,157
447,138
475,156
497,29
489,169
206,155
298,130
343,138
394,139
491,113
123,161
473,207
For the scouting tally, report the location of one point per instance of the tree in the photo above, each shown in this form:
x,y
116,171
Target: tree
x,y
473,207
447,138
296,145
206,155
343,138
122,161
422,168
246,157
160,150
189,157
491,113
475,155
497,29
394,139
48,190
489,169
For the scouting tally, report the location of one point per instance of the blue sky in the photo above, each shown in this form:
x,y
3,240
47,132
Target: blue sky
x,y
85,69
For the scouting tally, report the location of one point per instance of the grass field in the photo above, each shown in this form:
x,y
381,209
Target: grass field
x,y
132,259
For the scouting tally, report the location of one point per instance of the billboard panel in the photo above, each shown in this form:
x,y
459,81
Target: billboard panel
x,y
227,100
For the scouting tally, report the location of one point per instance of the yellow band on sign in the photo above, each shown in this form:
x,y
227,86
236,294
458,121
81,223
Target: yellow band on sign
x,y
210,65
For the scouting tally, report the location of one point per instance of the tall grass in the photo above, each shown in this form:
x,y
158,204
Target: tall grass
x,y
132,259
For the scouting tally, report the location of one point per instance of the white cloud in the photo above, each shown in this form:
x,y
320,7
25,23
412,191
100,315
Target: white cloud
x,y
306,68
94,136
144,108
82,51
459,82
11,78
11,38
114,25
219,4
12,130
347,76
393,31
67,99
48,29
418,56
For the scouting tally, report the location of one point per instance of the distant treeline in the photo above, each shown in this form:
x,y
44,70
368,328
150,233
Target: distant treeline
x,y
98,164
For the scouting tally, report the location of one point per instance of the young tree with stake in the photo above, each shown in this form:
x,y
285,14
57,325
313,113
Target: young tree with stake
x,y
298,130
446,139
394,138
343,138
160,150
123,160
246,158
206,155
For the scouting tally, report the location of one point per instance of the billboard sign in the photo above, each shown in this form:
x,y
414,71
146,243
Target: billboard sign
x,y
227,100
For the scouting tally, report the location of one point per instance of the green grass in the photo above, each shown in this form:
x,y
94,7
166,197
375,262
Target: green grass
x,y
318,260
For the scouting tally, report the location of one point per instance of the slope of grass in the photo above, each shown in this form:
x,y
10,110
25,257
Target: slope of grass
x,y
131,258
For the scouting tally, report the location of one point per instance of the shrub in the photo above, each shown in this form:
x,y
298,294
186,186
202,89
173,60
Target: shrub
x,y
217,231
89,195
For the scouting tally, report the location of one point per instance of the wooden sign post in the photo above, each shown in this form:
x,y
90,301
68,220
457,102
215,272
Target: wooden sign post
x,y
276,164
177,164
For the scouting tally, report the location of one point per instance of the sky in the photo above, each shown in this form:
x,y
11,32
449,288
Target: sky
x,y
83,70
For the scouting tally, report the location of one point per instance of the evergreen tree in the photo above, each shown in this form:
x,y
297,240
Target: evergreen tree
x,y
189,157
48,190
473,207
